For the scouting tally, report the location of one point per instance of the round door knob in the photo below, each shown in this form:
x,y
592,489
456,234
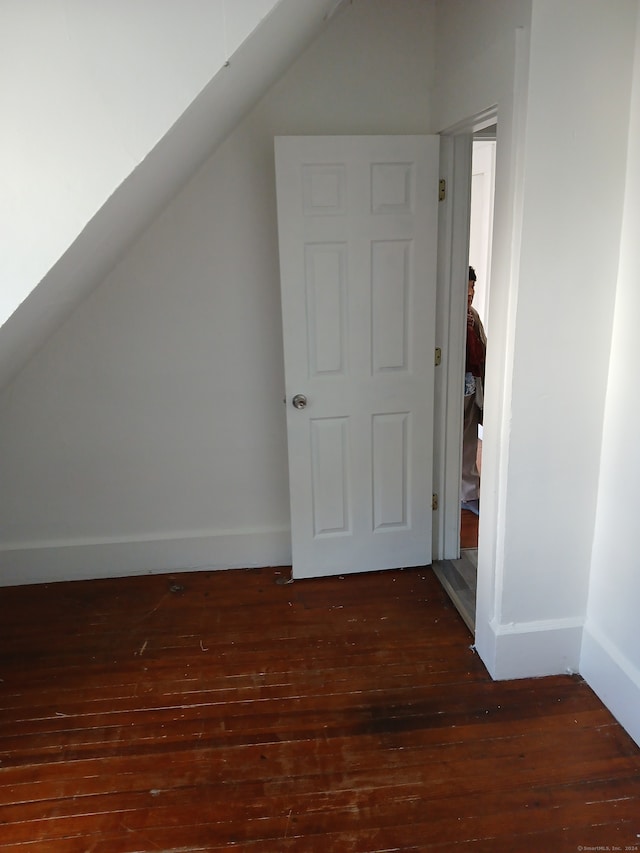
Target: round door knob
x,y
299,401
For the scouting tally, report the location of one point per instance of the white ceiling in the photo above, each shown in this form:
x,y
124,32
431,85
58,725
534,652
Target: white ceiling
x,y
255,66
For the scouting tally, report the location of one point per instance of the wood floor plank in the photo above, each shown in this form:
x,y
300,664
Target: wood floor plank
x,y
210,711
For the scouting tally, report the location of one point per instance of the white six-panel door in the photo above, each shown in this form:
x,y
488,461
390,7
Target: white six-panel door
x,y
357,221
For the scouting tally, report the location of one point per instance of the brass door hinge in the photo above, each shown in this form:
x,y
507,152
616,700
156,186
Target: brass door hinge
x,y
434,502
438,357
442,189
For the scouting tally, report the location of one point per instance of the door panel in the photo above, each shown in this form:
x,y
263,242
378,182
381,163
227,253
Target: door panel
x,y
357,220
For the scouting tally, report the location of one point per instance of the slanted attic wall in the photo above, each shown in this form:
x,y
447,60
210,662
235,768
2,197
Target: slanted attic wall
x,y
149,432
88,89
107,109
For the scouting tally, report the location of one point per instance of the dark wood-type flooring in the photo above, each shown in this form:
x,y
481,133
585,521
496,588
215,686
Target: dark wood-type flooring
x,y
227,711
468,529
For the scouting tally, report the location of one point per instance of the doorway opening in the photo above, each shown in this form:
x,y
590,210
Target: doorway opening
x,y
480,240
470,232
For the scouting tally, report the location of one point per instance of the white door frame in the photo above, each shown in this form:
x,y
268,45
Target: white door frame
x,y
453,260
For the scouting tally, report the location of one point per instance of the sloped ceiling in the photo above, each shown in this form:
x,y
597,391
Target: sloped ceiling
x,y
255,66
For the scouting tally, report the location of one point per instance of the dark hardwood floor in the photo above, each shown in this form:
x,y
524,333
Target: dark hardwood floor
x,y
468,529
218,711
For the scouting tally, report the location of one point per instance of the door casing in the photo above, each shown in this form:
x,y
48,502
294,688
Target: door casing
x,y
456,150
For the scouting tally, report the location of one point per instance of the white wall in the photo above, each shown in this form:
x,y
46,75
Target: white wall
x,y
611,650
475,55
86,91
227,97
561,83
482,64
573,189
148,433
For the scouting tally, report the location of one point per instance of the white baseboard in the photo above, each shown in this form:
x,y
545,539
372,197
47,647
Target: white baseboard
x,y
206,550
613,678
531,649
